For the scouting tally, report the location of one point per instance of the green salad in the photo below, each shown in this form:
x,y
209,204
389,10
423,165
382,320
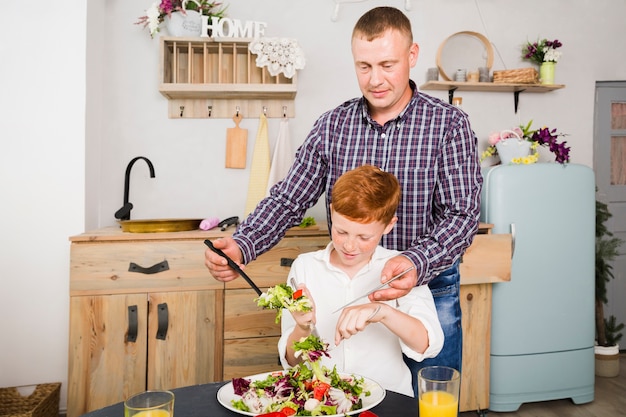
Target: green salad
x,y
282,296
307,389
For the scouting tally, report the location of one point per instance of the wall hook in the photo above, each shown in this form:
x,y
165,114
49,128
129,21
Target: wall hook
x,y
237,111
285,112
210,110
182,110
265,111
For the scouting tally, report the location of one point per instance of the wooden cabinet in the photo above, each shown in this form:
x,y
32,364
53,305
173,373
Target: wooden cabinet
x,y
486,261
146,314
143,315
121,283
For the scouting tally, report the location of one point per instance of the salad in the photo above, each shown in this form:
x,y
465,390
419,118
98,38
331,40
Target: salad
x,y
307,389
283,296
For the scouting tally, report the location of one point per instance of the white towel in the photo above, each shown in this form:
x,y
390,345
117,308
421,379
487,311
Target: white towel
x,y
260,169
283,156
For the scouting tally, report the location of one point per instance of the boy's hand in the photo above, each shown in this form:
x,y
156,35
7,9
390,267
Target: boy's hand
x,y
304,319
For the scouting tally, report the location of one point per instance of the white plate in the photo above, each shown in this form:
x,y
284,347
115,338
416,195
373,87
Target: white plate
x,y
226,393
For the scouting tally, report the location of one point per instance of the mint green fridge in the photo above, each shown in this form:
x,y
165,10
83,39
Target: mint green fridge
x,y
542,331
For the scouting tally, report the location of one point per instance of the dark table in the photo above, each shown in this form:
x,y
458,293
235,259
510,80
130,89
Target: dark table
x,y
201,401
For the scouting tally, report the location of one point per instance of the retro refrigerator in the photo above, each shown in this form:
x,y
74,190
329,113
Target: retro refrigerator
x,y
543,328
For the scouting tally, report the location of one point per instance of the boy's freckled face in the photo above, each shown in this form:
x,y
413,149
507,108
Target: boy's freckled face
x,y
354,242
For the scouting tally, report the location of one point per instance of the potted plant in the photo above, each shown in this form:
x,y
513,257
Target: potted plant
x,y
525,138
184,13
543,53
607,331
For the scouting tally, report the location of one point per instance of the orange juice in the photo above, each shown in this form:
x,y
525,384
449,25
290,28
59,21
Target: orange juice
x,y
438,404
152,413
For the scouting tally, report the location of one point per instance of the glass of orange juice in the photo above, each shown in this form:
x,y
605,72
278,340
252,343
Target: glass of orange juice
x,y
150,404
438,391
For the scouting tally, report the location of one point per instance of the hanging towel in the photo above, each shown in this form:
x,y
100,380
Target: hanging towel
x,y
260,169
283,157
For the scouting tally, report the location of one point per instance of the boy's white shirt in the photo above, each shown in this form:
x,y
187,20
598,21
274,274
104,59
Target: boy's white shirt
x,y
376,352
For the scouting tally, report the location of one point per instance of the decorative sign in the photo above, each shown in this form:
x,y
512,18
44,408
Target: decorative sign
x,y
231,28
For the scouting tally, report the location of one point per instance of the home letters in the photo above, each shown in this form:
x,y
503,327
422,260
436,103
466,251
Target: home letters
x,y
231,28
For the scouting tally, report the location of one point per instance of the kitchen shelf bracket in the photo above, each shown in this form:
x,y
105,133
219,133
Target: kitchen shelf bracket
x,y
451,94
516,99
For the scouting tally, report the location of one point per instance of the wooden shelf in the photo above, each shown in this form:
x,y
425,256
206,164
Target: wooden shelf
x,y
206,77
516,89
490,87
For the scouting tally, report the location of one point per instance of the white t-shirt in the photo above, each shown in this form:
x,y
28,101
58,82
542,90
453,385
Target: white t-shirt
x,y
376,352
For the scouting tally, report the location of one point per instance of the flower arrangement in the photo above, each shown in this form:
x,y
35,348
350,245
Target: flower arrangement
x,y
278,55
544,136
542,51
156,13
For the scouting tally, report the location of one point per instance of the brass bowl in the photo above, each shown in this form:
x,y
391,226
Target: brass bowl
x,y
159,225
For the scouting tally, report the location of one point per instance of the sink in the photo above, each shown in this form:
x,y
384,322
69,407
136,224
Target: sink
x,y
159,225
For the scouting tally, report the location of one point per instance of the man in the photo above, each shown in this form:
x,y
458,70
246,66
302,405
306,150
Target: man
x,y
426,143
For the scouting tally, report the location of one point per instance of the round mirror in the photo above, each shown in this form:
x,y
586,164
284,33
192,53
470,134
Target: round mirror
x,y
464,50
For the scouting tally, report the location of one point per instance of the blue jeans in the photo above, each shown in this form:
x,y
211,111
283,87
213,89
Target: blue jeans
x,y
445,288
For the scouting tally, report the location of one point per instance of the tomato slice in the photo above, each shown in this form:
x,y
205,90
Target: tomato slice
x,y
297,294
288,411
273,414
320,389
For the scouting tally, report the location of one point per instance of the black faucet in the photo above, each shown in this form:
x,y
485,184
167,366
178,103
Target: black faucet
x,y
124,212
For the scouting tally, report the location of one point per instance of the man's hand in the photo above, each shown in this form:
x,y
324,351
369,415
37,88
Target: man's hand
x,y
399,287
217,265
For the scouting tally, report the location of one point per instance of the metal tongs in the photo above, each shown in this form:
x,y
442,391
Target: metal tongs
x,y
234,265
375,289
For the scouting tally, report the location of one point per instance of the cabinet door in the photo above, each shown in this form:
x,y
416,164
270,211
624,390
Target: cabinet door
x,y
190,352
105,368
476,321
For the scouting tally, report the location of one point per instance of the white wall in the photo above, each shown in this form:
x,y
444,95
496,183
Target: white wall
x,y
48,170
42,182
188,154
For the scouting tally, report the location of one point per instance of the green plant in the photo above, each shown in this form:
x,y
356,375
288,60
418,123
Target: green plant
x,y
613,331
607,247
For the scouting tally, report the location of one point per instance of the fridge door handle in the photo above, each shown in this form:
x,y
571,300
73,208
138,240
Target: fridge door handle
x,y
512,240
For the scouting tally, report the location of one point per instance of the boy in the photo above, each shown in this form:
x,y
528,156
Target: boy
x,y
369,338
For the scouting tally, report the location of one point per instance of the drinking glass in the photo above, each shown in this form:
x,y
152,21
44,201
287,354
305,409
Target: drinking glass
x,y
150,404
438,391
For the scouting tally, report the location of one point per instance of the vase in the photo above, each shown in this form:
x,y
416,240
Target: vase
x,y
509,149
546,72
606,361
188,24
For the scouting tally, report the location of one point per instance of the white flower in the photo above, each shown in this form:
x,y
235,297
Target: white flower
x,y
551,55
153,13
279,55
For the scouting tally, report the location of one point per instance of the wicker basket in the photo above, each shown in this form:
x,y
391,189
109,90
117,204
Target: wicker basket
x,y
518,76
42,402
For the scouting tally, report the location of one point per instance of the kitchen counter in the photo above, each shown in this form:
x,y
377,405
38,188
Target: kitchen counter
x,y
188,328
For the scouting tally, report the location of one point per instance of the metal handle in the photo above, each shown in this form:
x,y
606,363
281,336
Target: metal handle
x,y
512,240
163,321
133,324
156,268
286,261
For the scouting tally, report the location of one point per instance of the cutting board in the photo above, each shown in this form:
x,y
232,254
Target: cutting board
x,y
236,144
